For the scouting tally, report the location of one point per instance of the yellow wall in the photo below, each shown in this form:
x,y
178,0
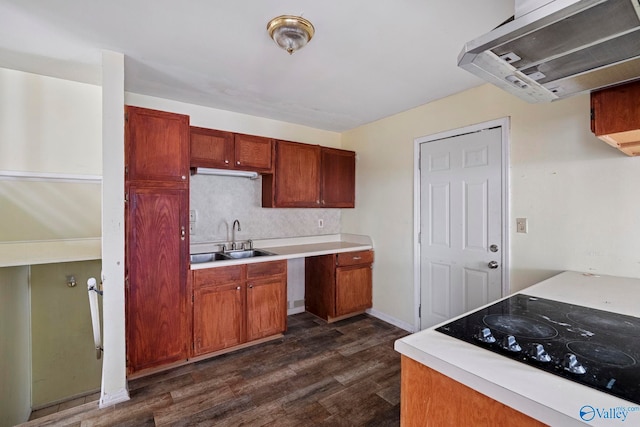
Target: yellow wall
x,y
576,191
15,353
64,358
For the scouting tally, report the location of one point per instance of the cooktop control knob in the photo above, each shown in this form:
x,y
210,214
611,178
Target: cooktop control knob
x,y
537,352
485,335
509,343
570,363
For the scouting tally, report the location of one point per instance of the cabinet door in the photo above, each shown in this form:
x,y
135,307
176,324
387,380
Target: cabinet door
x,y
157,251
297,175
615,109
211,148
218,316
338,178
266,307
157,145
353,289
253,153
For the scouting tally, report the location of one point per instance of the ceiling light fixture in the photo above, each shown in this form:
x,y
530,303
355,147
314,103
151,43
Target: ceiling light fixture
x,y
290,32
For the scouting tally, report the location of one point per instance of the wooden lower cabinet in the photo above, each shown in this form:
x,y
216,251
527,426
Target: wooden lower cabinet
x,y
338,285
429,398
218,309
238,304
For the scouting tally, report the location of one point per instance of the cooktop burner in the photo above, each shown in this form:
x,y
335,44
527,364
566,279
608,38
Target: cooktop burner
x,y
593,347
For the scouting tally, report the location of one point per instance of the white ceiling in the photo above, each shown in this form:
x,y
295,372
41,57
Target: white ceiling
x,y
367,60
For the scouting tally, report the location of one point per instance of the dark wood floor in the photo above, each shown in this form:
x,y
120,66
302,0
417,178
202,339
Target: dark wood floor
x,y
318,374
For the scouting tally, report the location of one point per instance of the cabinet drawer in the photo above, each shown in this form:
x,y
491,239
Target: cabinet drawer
x,y
354,258
218,276
262,269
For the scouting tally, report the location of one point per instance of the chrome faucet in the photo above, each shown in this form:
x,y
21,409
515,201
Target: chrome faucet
x,y
233,234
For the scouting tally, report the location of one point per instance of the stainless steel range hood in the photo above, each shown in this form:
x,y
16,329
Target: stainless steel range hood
x,y
560,48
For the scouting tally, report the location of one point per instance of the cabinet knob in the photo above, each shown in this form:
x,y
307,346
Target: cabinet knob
x,y
250,286
184,177
226,162
238,162
238,288
357,258
183,232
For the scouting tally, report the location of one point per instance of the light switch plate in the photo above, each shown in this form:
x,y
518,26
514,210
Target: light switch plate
x,y
522,225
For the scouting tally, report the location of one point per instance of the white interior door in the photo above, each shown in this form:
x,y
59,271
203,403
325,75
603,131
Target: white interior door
x,y
461,224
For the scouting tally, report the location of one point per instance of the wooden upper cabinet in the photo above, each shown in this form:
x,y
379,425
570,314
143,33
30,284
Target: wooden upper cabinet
x,y
254,153
295,181
212,148
157,145
310,176
615,117
338,178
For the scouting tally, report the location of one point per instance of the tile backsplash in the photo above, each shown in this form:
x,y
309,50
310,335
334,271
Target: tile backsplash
x,y
219,200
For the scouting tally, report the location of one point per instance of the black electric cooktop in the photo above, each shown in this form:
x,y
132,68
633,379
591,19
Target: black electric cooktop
x,y
592,347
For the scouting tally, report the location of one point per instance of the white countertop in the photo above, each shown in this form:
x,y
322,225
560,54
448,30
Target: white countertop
x,y
296,247
541,395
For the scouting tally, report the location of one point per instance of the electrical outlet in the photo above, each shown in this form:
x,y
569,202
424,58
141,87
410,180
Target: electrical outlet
x,y
192,228
522,225
193,215
320,223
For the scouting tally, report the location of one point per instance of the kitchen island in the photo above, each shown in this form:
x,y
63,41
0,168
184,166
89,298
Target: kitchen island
x,y
511,387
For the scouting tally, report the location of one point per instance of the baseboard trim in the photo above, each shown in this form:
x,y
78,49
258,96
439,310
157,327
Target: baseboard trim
x,y
295,310
392,320
120,396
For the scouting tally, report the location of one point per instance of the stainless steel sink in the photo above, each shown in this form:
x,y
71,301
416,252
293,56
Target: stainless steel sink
x,y
207,257
250,253
221,256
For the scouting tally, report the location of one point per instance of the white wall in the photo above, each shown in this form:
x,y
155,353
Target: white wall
x,y
235,122
48,126
15,349
219,200
576,191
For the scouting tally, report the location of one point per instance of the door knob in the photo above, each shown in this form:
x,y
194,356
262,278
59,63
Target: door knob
x,y
493,264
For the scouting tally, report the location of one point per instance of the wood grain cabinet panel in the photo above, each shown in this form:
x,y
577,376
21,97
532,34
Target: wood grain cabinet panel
x,y
266,307
334,292
615,116
296,178
353,289
157,319
338,178
218,149
310,176
211,148
253,153
158,324
238,304
157,145
218,317
429,398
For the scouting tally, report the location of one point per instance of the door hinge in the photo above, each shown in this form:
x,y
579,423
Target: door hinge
x,y
126,116
593,114
420,311
126,283
126,197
